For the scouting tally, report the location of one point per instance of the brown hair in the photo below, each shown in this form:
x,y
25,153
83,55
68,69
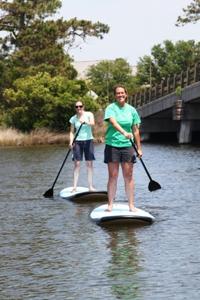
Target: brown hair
x,y
120,86
80,102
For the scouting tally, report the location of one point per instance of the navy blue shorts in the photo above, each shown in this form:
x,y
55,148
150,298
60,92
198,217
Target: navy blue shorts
x,y
119,154
86,147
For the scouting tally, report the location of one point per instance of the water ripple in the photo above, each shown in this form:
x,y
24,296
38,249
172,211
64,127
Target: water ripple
x,y
49,248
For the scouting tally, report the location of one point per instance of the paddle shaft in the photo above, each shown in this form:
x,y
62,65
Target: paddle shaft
x,y
66,156
135,148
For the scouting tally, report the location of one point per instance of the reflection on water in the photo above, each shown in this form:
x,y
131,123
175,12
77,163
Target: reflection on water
x,y
124,263
50,249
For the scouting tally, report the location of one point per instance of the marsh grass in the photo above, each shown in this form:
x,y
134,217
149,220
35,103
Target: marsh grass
x,y
100,127
13,137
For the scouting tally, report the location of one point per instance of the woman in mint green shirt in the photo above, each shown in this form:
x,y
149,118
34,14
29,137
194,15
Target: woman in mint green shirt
x,y
83,143
123,125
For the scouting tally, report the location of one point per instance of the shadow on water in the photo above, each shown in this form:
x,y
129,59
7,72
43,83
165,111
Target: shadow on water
x,y
171,137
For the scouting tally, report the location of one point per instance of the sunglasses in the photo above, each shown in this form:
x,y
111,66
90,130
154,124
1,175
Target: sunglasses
x,y
79,106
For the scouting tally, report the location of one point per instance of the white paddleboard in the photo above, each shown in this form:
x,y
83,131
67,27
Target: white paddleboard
x,y
82,193
120,214
67,192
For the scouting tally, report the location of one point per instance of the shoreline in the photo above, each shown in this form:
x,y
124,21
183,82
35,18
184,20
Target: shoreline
x,y
11,137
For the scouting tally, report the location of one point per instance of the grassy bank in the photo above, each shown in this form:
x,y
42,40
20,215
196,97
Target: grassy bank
x,y
13,137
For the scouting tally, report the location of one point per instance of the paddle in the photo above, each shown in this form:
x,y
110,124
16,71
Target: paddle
x,y
153,185
49,193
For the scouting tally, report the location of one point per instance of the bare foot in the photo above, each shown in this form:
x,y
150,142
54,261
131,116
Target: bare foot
x,y
109,209
133,209
73,190
92,189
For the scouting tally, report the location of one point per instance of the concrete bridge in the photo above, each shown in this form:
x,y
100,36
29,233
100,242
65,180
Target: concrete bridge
x,y
173,107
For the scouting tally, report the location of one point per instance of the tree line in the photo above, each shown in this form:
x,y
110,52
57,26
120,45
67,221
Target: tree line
x,y
38,83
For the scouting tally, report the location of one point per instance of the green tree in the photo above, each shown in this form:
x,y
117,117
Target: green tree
x,y
106,74
44,101
167,60
36,43
191,14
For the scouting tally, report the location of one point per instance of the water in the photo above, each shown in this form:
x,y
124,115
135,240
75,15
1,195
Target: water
x,y
50,249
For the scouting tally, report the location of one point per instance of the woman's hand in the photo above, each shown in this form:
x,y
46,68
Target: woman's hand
x,y
82,120
139,154
71,146
128,135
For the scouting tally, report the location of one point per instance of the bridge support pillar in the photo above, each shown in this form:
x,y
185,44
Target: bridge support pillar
x,y
185,132
145,137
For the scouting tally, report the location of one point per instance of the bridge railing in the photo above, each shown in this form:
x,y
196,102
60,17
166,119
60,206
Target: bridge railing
x,y
166,86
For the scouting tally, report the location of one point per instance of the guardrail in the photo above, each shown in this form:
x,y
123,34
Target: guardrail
x,y
166,86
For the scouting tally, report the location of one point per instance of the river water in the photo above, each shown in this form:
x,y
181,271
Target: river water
x,y
50,249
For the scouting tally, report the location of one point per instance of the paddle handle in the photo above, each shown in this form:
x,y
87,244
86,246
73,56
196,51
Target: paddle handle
x,y
67,155
135,148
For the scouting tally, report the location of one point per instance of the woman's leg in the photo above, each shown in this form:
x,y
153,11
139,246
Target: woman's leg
x,y
89,164
127,170
113,171
76,174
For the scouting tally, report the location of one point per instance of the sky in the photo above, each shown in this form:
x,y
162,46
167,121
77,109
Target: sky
x,y
135,27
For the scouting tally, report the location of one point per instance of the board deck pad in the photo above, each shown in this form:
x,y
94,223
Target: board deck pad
x,y
67,192
83,194
120,213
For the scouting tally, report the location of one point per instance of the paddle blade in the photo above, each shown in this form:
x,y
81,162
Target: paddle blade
x,y
153,186
49,193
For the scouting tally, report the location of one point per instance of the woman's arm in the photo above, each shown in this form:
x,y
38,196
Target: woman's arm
x,y
136,133
71,136
116,125
87,119
91,121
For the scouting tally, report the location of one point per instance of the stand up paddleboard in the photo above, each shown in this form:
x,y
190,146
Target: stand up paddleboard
x,y
120,214
83,194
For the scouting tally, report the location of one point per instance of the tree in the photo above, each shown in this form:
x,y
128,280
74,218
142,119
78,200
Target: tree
x,y
191,14
35,43
167,60
44,101
106,74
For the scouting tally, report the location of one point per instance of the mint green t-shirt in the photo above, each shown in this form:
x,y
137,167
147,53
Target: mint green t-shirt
x,y
86,131
127,117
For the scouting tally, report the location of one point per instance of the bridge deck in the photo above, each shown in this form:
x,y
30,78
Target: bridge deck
x,y
173,113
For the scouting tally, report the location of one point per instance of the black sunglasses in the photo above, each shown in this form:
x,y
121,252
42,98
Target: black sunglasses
x,y
79,106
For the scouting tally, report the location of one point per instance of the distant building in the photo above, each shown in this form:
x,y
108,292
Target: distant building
x,y
82,67
134,70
